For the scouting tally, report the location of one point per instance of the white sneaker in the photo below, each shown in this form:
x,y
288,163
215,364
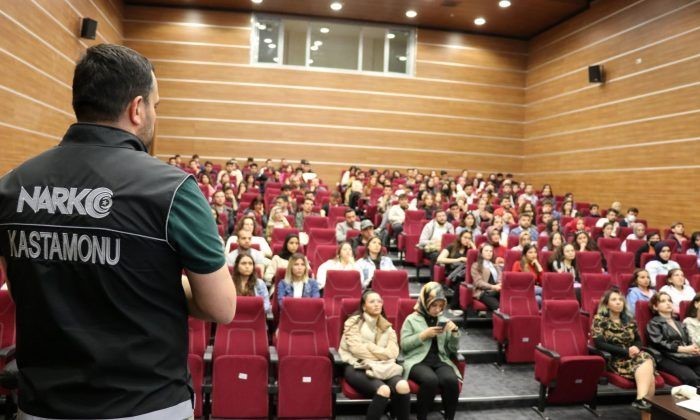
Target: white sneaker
x,y
456,312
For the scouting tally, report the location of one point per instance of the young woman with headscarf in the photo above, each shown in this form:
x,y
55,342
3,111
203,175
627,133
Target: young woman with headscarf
x,y
662,263
427,341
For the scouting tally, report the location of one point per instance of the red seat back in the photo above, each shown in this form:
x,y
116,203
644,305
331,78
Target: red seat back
x,y
543,257
472,255
279,234
593,286
608,245
447,239
688,263
405,308
336,212
589,262
391,285
634,244
518,294
414,215
335,323
247,333
558,286
642,315
8,335
561,328
542,242
302,328
320,237
620,262
341,284
315,222
513,241
511,257
645,258
321,254
199,334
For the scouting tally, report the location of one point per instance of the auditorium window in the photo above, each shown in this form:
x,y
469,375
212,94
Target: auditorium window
x,y
317,44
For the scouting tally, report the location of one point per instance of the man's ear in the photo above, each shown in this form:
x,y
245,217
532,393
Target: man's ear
x,y
135,111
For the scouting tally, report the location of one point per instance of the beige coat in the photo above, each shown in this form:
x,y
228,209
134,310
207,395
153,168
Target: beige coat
x,y
480,278
365,338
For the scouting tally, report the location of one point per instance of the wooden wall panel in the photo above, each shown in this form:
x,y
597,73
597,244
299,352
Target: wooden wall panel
x,y
39,46
464,108
634,139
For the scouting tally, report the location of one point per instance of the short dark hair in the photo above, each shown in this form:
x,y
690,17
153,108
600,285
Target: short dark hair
x,y
106,79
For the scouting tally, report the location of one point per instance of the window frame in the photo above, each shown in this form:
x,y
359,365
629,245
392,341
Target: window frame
x,y
255,44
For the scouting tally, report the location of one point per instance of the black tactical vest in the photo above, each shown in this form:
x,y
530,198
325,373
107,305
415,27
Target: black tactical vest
x,y
101,313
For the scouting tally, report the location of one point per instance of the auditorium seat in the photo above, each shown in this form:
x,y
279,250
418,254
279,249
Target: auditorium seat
x,y
593,286
558,286
516,326
391,285
589,262
279,234
566,372
305,367
512,256
241,364
341,284
608,245
466,289
320,222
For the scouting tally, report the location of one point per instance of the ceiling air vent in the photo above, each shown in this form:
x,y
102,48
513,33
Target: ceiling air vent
x,y
449,3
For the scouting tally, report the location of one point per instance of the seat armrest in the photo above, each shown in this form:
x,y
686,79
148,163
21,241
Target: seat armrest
x,y
602,353
551,353
274,356
8,352
333,352
501,315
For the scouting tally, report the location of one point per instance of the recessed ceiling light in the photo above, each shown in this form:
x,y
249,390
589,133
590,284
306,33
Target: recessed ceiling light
x,y
261,26
257,1
391,36
272,45
504,3
318,43
411,14
324,30
275,59
402,58
314,48
267,40
310,61
336,5
479,21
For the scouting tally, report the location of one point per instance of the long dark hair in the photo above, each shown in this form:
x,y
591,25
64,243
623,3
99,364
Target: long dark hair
x,y
692,311
249,285
456,246
692,245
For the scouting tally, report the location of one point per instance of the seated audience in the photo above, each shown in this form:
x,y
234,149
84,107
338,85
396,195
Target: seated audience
x,y
610,217
431,236
638,233
306,210
454,259
630,218
694,246
648,248
678,288
277,221
289,248
373,260
223,211
640,290
249,224
369,347
247,284
297,283
468,223
366,233
428,340
529,263
564,261
486,275
350,223
567,209
677,235
615,332
245,247
555,241
525,225
679,355
344,260
662,263
551,227
692,320
523,240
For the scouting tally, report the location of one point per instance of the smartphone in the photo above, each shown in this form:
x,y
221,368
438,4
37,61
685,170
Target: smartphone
x,y
441,324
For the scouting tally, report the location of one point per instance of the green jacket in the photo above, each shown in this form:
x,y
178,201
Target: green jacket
x,y
414,350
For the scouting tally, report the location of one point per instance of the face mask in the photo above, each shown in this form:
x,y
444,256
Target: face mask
x,y
631,218
653,243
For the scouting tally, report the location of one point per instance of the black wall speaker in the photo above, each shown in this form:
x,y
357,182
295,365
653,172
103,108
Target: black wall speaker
x,y
595,74
88,28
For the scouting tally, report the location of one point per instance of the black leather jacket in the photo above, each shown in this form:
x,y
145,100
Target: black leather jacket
x,y
664,338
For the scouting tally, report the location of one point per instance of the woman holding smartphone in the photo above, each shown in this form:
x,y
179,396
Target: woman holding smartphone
x,y
428,339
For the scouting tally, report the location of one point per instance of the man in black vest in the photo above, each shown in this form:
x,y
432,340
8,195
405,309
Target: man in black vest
x,y
94,235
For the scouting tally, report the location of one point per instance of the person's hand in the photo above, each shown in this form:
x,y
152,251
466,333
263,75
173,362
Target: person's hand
x,y
538,266
691,349
496,287
451,327
429,333
500,261
633,351
462,259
